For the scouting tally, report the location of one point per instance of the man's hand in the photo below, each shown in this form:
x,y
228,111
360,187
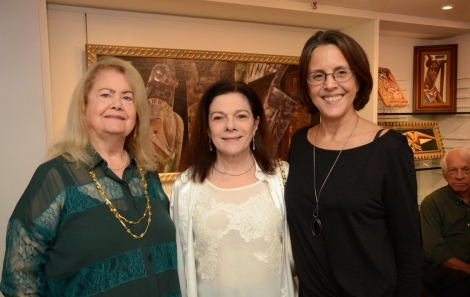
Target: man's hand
x,y
456,264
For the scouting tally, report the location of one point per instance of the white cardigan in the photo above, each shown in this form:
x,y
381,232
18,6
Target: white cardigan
x,y
183,199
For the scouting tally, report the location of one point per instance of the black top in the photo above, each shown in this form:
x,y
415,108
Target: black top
x,y
370,242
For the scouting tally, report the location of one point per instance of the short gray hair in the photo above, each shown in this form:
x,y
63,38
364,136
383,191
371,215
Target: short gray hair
x,y
464,153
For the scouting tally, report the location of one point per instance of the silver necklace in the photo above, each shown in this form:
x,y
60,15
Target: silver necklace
x,y
315,224
234,174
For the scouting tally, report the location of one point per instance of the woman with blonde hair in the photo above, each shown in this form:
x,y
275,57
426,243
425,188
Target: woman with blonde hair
x,y
94,220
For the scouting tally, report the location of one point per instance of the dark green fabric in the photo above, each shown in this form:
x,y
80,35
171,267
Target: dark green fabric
x,y
62,240
445,227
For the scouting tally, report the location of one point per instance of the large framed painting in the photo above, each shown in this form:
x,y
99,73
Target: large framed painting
x,y
435,78
176,79
424,138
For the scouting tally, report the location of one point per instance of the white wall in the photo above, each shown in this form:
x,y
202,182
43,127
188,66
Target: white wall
x,y
367,36
397,54
22,124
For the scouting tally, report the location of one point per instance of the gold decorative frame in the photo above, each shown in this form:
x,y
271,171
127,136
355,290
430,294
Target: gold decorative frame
x,y
140,56
93,51
435,78
423,138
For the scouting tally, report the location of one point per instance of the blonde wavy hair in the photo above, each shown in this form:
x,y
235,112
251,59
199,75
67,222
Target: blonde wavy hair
x,y
74,140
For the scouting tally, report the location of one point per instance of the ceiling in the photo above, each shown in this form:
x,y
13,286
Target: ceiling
x,y
421,8
404,18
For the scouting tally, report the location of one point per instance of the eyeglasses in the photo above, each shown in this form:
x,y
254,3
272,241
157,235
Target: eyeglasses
x,y
454,171
340,75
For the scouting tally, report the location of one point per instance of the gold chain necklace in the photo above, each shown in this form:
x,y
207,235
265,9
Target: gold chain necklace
x,y
118,216
125,163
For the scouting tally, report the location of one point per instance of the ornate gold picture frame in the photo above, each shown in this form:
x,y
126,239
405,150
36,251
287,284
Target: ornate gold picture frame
x,y
424,138
176,79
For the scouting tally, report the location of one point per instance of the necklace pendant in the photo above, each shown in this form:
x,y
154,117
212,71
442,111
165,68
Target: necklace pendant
x,y
316,227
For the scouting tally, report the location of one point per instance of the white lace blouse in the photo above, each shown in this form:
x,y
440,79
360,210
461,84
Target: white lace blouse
x,y
238,241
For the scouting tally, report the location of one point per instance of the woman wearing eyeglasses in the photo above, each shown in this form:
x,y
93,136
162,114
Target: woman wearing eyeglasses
x,y
351,194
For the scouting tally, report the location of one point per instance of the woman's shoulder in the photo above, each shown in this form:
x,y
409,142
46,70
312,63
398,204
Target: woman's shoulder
x,y
302,131
391,136
300,134
184,188
50,165
391,144
46,183
184,178
376,132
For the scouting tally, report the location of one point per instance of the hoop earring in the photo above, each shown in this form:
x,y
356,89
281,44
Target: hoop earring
x,y
253,143
210,144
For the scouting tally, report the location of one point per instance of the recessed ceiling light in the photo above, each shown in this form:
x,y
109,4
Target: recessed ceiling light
x,y
447,7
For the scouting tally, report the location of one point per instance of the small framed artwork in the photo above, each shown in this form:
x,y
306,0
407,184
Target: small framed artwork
x,y
176,79
389,91
423,138
435,78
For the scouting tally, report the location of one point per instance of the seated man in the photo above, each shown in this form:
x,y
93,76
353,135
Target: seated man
x,y
445,227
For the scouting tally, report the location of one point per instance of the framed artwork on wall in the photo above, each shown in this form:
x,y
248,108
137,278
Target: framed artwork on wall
x,y
435,78
390,91
176,79
424,138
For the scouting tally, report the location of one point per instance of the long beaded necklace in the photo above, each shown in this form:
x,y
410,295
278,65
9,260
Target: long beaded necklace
x,y
315,224
118,216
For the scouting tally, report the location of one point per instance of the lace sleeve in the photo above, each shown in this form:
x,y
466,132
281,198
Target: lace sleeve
x,y
31,229
23,267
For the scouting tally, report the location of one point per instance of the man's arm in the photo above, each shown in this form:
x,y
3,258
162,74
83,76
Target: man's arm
x,y
456,264
435,249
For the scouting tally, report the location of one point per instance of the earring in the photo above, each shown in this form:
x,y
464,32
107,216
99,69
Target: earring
x,y
210,145
135,133
253,143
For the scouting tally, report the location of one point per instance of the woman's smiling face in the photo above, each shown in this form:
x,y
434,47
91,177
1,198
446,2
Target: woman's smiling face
x,y
232,125
333,99
110,109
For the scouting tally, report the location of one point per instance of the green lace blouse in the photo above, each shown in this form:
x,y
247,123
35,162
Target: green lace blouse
x,y
62,240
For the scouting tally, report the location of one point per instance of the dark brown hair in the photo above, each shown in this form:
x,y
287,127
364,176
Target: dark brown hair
x,y
199,158
354,55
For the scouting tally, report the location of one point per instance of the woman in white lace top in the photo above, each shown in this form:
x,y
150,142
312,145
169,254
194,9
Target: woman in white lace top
x,y
228,207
